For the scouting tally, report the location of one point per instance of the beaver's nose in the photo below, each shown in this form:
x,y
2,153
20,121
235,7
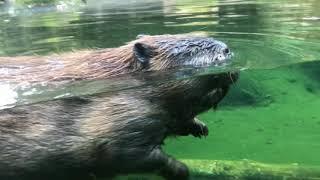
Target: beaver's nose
x,y
226,51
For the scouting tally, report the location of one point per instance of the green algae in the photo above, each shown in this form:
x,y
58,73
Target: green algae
x,y
241,170
246,169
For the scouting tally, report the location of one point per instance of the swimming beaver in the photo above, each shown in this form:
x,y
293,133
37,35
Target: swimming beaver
x,y
108,134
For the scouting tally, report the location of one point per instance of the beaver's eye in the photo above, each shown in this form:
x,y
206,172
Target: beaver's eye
x,y
226,51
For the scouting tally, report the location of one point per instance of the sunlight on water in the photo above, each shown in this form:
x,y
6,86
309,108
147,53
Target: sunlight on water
x,y
7,96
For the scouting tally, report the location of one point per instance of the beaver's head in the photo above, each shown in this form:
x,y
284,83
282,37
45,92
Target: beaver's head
x,y
169,51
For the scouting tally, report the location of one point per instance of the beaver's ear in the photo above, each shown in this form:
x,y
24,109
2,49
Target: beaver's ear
x,y
142,53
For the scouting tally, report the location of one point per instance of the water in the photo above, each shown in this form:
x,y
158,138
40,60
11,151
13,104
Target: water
x,y
270,116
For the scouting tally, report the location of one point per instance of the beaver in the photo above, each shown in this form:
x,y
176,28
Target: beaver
x,y
107,134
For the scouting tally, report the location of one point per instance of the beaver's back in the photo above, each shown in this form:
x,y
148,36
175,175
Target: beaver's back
x,y
55,68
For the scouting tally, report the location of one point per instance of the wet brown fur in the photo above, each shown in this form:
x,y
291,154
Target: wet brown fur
x,y
80,65
106,134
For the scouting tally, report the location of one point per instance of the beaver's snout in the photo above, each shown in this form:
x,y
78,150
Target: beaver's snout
x,y
209,52
223,56
198,52
226,51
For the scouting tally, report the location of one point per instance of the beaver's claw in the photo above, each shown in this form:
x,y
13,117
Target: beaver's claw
x,y
199,128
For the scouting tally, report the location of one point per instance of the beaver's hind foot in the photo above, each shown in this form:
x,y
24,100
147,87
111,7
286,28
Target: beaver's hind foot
x,y
175,171
168,167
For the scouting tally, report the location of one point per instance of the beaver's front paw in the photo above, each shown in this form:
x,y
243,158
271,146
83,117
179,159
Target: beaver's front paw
x,y
198,128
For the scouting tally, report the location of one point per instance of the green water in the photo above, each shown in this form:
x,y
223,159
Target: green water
x,y
271,115
275,120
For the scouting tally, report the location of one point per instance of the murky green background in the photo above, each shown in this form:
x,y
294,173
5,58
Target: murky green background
x,y
271,115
